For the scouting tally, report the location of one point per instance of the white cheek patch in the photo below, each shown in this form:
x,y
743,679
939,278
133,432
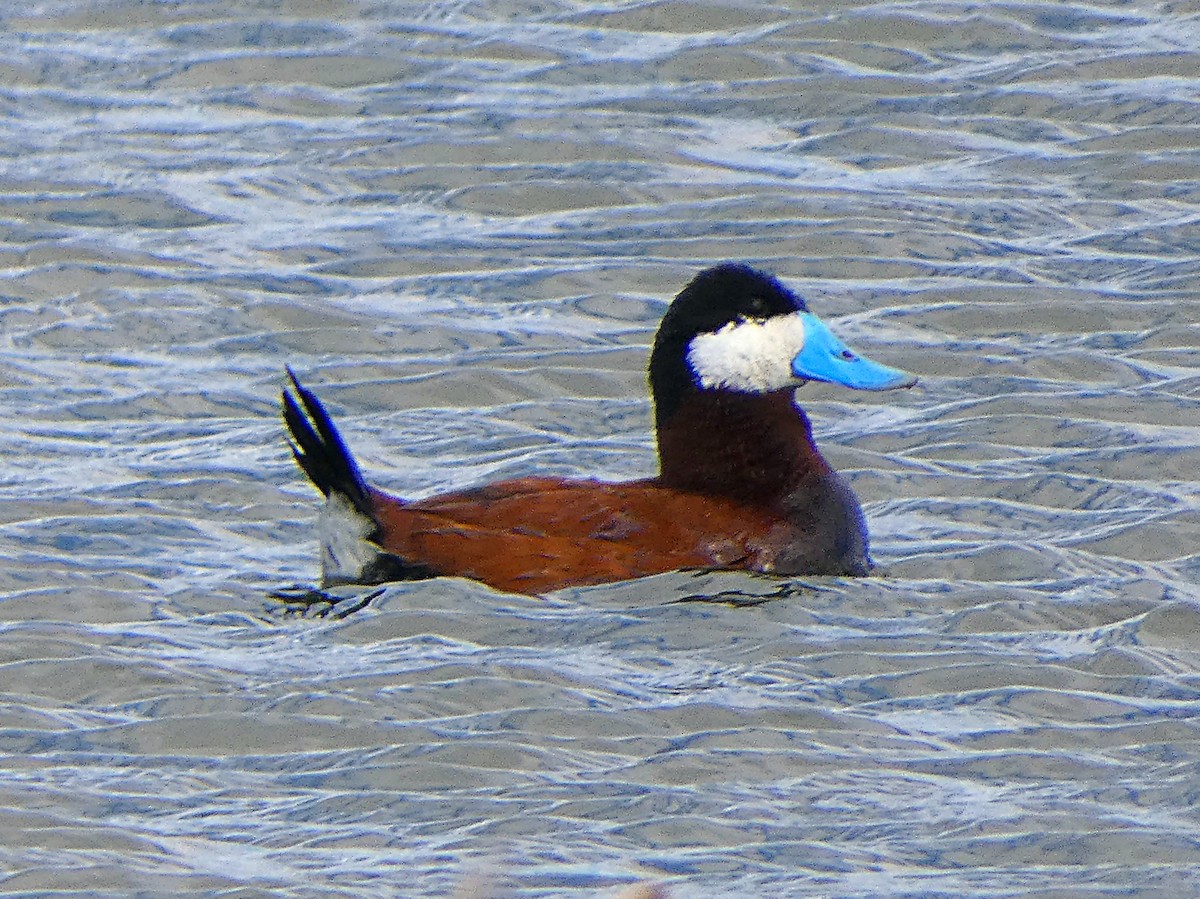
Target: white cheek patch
x,y
751,355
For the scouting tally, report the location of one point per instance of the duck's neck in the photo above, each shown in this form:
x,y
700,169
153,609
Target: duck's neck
x,y
751,447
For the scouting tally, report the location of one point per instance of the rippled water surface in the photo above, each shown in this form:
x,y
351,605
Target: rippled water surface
x,y
460,222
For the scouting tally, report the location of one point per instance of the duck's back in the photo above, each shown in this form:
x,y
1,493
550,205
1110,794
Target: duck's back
x,y
533,535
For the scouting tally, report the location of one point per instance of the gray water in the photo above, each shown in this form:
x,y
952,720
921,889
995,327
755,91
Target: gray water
x,y
460,223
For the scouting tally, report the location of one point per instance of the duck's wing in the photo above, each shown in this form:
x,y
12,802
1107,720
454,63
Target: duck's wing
x,y
534,535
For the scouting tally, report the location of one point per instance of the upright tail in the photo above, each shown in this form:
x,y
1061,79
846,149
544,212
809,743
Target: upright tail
x,y
351,534
320,450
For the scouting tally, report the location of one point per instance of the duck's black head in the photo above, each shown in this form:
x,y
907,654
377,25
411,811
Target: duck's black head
x,y
734,329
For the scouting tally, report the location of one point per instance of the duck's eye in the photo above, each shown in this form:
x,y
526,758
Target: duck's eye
x,y
758,306
847,355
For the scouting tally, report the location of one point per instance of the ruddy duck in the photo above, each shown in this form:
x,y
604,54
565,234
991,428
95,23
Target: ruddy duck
x,y
741,485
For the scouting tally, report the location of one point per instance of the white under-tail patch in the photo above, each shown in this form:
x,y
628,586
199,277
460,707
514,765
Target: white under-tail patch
x,y
751,355
346,548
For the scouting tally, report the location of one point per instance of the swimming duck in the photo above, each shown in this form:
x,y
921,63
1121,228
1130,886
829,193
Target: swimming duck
x,y
741,484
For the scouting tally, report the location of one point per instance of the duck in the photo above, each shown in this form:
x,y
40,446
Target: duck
x,y
741,484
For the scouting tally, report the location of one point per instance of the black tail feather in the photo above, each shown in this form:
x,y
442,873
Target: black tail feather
x,y
356,556
319,448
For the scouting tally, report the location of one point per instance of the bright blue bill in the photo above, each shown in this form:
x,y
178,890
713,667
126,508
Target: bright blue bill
x,y
825,358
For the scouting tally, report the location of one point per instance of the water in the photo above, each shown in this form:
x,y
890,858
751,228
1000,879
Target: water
x,y
460,223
